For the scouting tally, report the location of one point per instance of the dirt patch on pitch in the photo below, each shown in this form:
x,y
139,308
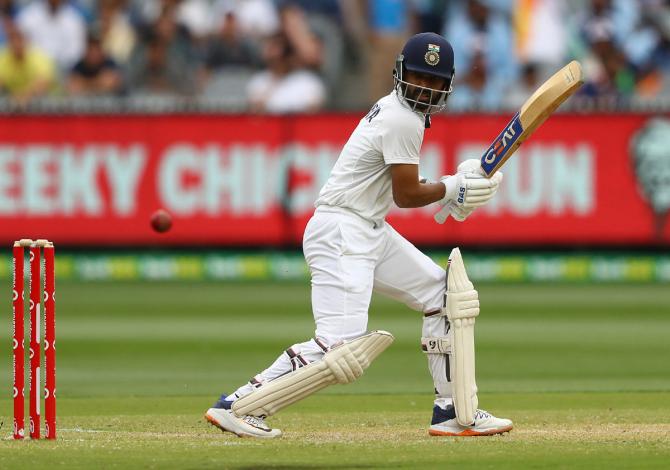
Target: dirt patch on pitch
x,y
592,433
597,432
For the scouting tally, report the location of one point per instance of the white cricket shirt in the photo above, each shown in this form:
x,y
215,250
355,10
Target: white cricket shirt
x,y
361,178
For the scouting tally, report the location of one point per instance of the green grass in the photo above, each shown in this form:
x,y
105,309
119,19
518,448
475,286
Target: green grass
x,y
582,370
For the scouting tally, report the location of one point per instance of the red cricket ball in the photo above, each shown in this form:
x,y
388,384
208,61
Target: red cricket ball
x,y
161,221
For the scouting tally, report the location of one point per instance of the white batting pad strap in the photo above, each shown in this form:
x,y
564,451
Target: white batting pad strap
x,y
431,345
462,305
342,364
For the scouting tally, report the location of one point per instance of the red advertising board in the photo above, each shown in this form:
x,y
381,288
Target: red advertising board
x,y
243,180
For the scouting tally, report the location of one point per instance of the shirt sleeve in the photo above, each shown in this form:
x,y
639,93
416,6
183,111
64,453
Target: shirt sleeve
x,y
401,138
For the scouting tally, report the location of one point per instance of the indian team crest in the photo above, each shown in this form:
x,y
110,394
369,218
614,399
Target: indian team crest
x,y
432,57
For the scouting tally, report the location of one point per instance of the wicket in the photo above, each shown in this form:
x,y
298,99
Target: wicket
x,y
36,248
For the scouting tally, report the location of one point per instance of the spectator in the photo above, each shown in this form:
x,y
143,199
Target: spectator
x,y
118,35
56,28
520,90
541,34
257,18
329,8
229,47
389,27
307,48
8,8
146,12
472,91
652,84
163,62
481,37
624,45
659,17
230,59
285,87
25,71
654,64
194,15
95,73
622,15
7,13
607,72
430,14
317,24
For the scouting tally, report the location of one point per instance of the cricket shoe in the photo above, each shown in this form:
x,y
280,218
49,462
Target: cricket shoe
x,y
222,416
444,423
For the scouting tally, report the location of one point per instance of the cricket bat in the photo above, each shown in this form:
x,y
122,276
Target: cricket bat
x,y
558,88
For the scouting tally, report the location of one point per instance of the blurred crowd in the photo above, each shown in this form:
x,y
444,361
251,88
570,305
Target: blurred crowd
x,y
282,56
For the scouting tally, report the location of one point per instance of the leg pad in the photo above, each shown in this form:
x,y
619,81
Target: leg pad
x,y
342,364
462,307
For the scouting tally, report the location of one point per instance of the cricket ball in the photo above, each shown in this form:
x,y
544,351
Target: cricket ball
x,y
161,221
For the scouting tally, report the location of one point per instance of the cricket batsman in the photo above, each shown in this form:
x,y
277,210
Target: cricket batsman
x,y
351,250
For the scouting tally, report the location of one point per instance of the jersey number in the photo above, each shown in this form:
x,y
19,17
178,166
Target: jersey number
x,y
373,113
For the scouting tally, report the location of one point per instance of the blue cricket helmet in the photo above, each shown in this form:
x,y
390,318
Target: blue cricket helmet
x,y
431,54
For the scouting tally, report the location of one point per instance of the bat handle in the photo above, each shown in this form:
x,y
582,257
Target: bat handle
x,y
482,171
441,216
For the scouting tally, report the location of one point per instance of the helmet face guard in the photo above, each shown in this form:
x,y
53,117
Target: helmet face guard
x,y
437,99
429,54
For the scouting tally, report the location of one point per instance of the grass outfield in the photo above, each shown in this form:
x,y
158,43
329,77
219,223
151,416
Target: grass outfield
x,y
582,371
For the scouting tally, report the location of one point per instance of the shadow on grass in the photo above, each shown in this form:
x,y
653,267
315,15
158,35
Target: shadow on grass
x,y
307,467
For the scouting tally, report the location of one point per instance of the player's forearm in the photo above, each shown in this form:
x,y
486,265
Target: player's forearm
x,y
420,195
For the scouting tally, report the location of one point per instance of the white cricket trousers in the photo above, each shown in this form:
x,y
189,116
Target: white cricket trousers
x,y
348,258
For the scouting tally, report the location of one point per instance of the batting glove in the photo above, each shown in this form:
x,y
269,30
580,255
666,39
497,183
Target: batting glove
x,y
466,190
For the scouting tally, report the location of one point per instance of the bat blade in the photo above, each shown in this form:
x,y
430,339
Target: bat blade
x,y
546,99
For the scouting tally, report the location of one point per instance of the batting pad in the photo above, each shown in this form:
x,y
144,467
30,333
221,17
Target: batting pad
x,y
462,305
343,364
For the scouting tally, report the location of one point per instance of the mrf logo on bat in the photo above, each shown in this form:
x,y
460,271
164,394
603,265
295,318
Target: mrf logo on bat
x,y
502,144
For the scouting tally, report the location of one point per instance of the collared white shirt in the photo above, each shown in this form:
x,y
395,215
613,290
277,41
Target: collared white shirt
x,y
361,178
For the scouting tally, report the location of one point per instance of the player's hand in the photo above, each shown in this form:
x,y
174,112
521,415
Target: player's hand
x,y
459,213
471,165
484,191
456,188
468,189
480,189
